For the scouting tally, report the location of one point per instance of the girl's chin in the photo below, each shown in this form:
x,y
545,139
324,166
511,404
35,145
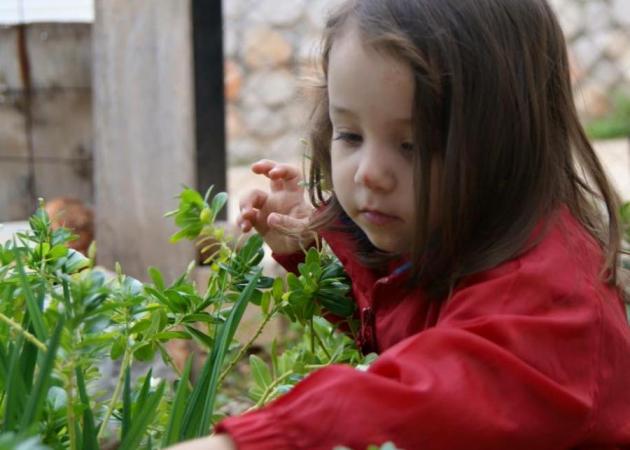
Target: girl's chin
x,y
386,245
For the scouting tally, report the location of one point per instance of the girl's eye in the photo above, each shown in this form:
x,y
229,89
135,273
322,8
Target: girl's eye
x,y
348,138
407,148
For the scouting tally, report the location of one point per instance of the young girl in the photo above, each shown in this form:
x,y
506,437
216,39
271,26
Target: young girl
x,y
453,180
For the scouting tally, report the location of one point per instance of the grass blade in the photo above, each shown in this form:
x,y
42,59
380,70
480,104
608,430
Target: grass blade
x,y
15,390
89,428
142,420
32,305
144,391
38,394
173,429
126,411
201,405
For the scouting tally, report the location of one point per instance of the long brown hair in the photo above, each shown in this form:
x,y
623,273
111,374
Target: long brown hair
x,y
494,104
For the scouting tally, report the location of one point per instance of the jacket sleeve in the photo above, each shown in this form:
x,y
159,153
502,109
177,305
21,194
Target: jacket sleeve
x,y
483,378
289,262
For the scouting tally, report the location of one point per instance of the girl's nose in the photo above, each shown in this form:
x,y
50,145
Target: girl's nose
x,y
374,172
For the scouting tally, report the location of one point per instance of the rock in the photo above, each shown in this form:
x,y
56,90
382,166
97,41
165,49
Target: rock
x,y
571,17
234,123
577,74
605,74
289,147
233,80
318,11
586,53
592,100
283,14
621,12
273,88
244,151
596,14
230,41
617,43
265,47
263,122
232,9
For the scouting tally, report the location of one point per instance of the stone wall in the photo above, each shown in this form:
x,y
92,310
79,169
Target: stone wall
x,y
598,32
270,49
270,46
45,115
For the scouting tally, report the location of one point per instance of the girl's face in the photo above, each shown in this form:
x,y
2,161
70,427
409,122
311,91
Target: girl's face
x,y
371,97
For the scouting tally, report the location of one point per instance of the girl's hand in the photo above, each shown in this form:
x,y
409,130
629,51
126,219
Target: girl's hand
x,y
217,442
279,216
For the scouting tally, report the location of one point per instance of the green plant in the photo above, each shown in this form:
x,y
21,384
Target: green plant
x,y
59,317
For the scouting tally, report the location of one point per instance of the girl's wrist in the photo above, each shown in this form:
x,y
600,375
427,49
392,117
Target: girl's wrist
x,y
216,442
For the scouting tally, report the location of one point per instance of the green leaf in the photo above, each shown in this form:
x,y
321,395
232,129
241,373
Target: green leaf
x,y
168,335
218,202
89,428
56,398
203,339
293,282
73,262
126,409
118,347
32,305
145,352
312,257
260,371
174,426
143,419
201,404
40,390
156,277
14,386
277,290
203,317
265,302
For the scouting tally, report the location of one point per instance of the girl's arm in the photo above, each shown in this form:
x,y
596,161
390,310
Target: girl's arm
x,y
217,442
490,376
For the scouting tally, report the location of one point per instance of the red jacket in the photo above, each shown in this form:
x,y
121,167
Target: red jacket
x,y
532,354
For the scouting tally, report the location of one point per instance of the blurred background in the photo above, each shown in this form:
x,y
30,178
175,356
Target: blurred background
x,y
110,106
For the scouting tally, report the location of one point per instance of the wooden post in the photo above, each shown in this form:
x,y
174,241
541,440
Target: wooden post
x,y
207,21
144,131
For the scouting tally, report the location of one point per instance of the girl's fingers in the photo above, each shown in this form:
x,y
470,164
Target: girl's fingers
x,y
282,176
254,199
286,224
263,166
244,225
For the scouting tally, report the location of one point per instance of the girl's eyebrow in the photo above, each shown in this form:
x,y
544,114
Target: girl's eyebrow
x,y
340,110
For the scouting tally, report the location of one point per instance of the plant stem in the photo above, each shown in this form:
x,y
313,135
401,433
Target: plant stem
x,y
29,337
246,347
315,366
321,342
312,328
269,391
121,378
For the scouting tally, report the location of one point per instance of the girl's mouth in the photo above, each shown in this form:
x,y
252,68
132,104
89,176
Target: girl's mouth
x,y
377,218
